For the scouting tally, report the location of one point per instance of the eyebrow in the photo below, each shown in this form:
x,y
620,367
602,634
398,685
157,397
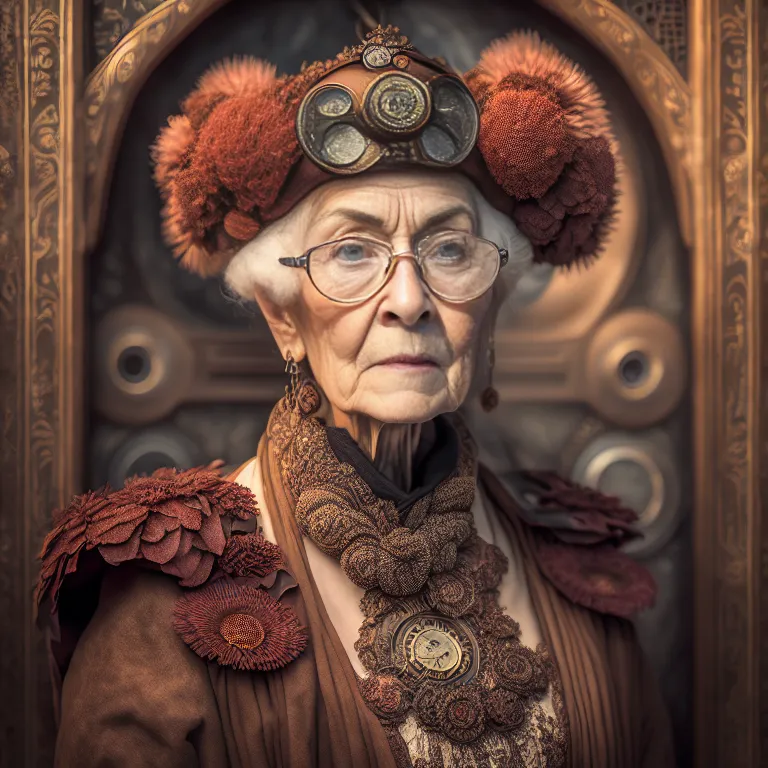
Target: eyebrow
x,y
371,220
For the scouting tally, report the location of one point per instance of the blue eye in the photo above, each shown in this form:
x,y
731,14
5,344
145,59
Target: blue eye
x,y
453,250
350,252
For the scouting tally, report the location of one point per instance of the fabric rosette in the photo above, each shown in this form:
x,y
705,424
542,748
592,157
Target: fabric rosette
x,y
174,519
386,697
518,669
462,713
427,704
250,555
600,577
457,713
505,710
496,623
239,626
452,594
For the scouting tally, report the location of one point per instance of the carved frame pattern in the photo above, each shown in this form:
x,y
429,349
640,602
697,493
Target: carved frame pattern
x,y
715,139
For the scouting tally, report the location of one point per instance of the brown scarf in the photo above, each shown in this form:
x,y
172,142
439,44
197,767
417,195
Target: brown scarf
x,y
316,707
428,579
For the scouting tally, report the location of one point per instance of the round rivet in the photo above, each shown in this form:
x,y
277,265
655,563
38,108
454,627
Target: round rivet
x,y
401,61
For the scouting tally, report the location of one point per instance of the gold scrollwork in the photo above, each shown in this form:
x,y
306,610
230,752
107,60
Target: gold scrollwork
x,y
112,85
726,79
113,18
43,141
44,48
761,318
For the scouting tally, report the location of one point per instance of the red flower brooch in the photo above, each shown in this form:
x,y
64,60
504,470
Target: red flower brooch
x,y
239,626
177,520
577,533
599,576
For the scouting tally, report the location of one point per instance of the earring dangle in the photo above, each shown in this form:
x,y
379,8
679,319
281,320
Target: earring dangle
x,y
301,395
292,388
489,399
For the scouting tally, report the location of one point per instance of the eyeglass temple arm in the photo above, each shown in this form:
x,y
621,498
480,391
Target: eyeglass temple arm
x,y
294,261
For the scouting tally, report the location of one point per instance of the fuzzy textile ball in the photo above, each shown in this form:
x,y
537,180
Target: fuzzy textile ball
x,y
524,136
565,225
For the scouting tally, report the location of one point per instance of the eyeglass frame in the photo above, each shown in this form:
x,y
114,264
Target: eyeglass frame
x,y
303,261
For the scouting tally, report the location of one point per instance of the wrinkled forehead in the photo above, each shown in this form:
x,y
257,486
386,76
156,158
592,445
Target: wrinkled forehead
x,y
393,201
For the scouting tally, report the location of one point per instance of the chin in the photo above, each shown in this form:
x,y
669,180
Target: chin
x,y
406,407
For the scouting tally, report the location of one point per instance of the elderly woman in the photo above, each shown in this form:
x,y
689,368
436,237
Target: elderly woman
x,y
361,593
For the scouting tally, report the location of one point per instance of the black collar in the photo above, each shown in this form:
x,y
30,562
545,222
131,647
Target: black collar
x,y
430,468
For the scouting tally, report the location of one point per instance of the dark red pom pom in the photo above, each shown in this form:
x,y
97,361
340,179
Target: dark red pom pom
x,y
524,136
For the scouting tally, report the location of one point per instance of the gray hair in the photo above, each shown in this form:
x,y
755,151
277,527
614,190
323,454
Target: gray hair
x,y
254,270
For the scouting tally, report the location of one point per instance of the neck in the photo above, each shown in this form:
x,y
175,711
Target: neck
x,y
391,447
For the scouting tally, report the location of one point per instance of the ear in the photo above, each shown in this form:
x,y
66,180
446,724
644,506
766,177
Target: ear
x,y
284,329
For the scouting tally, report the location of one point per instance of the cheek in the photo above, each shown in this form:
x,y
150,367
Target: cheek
x,y
333,333
463,328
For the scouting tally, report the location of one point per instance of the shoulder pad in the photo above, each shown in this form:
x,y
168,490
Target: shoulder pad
x,y
177,521
573,513
577,532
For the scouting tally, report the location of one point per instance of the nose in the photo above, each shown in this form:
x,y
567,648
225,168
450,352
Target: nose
x,y
405,296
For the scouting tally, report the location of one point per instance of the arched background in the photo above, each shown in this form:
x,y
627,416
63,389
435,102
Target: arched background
x,y
591,364
42,292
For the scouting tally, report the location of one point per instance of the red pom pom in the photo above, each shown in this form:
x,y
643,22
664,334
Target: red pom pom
x,y
171,150
238,77
567,225
241,226
250,143
524,136
235,140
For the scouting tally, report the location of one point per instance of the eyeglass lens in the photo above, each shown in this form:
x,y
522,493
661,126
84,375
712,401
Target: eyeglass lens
x,y
455,265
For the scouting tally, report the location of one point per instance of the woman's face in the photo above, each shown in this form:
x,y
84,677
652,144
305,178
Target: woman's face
x,y
404,355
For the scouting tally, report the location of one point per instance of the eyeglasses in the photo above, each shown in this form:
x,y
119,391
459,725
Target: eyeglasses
x,y
456,266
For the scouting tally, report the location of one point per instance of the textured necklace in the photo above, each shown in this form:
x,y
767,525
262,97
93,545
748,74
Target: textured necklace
x,y
447,672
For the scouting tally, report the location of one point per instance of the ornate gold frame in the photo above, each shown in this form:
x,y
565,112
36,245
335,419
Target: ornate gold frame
x,y
714,135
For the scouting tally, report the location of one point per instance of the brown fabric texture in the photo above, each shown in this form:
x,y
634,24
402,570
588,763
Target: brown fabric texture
x,y
136,695
616,715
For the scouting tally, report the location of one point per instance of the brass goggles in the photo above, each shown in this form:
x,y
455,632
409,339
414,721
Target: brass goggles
x,y
455,266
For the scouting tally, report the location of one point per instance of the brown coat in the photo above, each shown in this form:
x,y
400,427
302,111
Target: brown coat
x,y
136,695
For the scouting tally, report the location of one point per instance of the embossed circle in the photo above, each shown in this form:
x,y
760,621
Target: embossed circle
x,y
397,103
144,365
333,102
343,144
635,368
143,452
641,470
435,648
376,56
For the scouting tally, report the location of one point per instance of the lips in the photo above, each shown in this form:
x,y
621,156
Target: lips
x,y
409,360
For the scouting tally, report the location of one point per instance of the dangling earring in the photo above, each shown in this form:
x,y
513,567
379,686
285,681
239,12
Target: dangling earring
x,y
301,395
490,397
292,388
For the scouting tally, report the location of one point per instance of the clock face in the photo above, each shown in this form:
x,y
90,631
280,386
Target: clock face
x,y
436,651
436,648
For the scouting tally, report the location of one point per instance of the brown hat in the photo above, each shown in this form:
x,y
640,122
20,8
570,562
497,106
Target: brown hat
x,y
526,125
